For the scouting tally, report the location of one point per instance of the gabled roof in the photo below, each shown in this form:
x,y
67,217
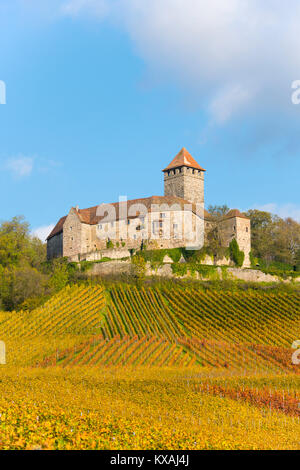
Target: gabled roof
x,y
235,213
89,216
58,227
183,158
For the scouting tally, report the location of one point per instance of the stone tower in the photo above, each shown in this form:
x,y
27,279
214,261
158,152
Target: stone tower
x,y
184,178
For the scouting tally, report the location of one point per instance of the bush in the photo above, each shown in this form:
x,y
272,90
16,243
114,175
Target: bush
x,y
179,268
236,255
109,245
138,268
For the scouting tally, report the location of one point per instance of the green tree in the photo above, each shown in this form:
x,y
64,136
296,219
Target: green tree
x,y
236,254
60,277
218,211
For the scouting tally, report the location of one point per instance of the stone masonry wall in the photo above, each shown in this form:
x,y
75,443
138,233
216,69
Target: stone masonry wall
x,y
55,246
243,231
238,228
185,183
170,234
72,235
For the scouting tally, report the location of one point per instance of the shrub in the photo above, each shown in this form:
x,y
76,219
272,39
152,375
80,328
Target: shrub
x,y
109,244
179,268
138,268
236,254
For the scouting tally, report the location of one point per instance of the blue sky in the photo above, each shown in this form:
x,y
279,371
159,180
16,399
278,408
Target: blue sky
x,y
101,95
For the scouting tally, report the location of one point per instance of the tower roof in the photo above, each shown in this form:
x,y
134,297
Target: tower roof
x,y
183,158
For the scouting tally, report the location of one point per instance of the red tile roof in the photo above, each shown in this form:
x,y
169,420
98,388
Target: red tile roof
x,y
58,228
89,215
183,158
235,213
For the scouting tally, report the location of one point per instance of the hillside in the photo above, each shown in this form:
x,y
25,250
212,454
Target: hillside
x,y
182,326
126,367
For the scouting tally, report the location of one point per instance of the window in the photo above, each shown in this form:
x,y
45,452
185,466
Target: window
x,y
142,219
160,224
100,227
134,236
162,215
128,222
70,228
247,230
155,225
175,226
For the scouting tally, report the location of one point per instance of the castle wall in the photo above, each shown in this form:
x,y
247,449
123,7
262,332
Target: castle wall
x,y
164,228
238,228
55,246
185,183
72,235
244,238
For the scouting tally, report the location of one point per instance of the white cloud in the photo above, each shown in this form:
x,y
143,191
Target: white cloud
x,y
76,7
228,102
283,210
20,167
43,232
233,55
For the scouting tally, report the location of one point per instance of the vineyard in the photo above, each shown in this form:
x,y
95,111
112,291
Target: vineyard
x,y
110,368
85,325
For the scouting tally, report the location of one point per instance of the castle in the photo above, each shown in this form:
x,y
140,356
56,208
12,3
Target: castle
x,y
177,219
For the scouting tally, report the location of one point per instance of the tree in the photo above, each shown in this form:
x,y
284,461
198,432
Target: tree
x,y
236,254
14,242
262,234
218,211
274,239
18,284
21,259
18,247
287,242
60,276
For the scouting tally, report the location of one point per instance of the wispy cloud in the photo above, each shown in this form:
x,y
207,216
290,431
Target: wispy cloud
x,y
20,167
220,51
43,232
77,7
283,210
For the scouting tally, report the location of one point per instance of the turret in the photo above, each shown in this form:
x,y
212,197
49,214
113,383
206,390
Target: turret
x,y
184,178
